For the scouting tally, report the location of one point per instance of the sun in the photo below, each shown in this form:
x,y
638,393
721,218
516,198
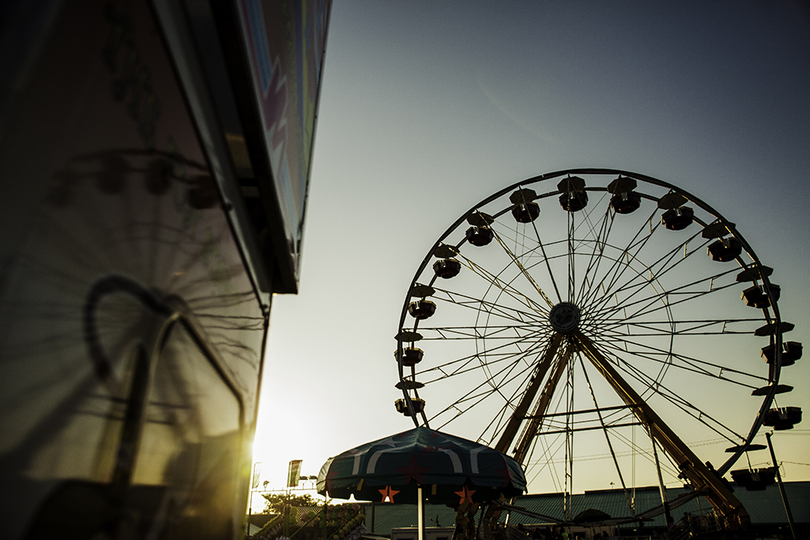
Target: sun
x,y
279,439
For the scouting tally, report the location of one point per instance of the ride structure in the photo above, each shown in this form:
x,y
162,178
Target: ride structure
x,y
155,158
603,327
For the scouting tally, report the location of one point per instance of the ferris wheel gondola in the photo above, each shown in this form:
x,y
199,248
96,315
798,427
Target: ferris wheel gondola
x,y
597,315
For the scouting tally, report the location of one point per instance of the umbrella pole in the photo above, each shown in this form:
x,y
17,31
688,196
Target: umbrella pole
x,y
420,520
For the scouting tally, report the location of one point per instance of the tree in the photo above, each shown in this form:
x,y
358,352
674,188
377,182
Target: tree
x,y
277,501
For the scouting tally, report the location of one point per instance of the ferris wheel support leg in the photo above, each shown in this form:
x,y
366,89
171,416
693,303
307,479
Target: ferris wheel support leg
x,y
704,480
536,419
528,397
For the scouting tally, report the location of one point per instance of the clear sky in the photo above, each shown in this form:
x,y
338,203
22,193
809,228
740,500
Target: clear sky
x,y
429,107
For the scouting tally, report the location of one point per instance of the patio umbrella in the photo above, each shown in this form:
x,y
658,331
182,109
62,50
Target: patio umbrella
x,y
422,463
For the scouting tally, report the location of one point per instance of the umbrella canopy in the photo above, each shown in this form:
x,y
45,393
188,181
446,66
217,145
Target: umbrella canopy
x,y
451,470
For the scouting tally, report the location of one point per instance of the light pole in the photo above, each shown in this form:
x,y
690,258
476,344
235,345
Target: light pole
x,y
781,487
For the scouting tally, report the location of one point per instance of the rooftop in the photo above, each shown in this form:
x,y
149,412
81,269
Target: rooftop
x,y
764,507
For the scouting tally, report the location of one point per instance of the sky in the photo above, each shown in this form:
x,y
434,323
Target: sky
x,y
429,107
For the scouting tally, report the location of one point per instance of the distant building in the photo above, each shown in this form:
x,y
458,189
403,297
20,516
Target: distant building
x,y
765,508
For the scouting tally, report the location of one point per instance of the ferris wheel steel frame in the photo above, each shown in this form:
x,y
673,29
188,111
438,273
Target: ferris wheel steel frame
x,y
706,481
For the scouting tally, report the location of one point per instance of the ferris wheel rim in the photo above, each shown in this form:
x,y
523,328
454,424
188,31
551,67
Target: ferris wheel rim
x,y
773,314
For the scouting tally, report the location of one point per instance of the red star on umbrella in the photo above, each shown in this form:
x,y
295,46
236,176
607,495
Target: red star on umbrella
x,y
388,494
465,494
504,473
329,476
413,470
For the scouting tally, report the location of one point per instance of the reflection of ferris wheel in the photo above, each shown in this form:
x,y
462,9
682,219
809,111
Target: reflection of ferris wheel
x,y
605,339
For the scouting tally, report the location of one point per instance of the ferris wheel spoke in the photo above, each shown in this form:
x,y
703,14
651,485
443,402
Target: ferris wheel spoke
x,y
457,411
699,415
507,412
596,255
505,312
504,376
672,396
476,395
483,391
570,256
608,441
699,474
494,426
681,327
587,222
667,357
654,304
514,333
548,266
521,238
547,459
473,397
684,291
574,245
502,354
631,251
685,297
656,271
516,261
493,357
506,287
635,449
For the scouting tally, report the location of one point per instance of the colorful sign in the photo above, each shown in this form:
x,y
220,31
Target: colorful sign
x,y
294,473
257,471
285,41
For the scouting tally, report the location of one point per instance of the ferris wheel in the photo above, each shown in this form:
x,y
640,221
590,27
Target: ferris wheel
x,y
604,327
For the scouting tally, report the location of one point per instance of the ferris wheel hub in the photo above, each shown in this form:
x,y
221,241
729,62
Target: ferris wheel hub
x,y
564,317
595,298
